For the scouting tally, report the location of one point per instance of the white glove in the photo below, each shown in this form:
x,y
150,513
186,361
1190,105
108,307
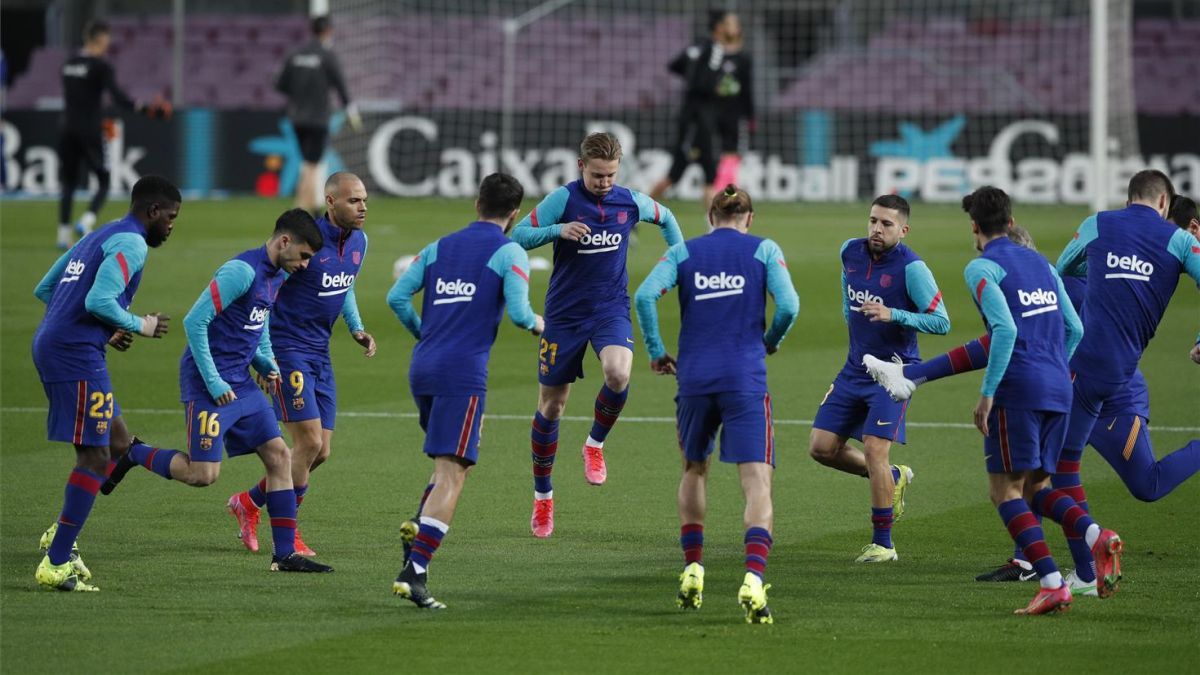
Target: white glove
x,y
149,325
353,117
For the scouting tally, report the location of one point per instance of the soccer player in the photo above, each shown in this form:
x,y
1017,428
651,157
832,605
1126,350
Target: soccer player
x,y
228,331
87,293
469,278
888,296
724,278
85,78
307,76
1026,393
308,305
589,221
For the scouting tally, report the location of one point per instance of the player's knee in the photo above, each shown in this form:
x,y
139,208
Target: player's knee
x,y
1144,490
202,474
321,457
616,378
821,451
93,458
552,407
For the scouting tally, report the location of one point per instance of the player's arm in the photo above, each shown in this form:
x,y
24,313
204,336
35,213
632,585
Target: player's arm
x,y
542,225
1185,247
283,81
661,279
124,256
511,264
409,284
679,64
779,285
1071,321
350,313
264,356
118,95
44,291
1073,260
650,211
983,279
845,295
333,69
231,282
924,293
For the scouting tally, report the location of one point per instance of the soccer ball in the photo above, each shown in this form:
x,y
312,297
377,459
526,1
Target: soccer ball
x,y
401,265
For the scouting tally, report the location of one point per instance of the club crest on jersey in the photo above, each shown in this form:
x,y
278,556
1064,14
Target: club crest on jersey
x,y
73,271
860,297
457,290
1041,300
719,285
336,284
885,280
622,217
602,241
258,317
1135,268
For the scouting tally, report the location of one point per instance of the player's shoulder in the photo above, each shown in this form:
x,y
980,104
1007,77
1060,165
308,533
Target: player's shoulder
x,y
983,267
851,244
906,253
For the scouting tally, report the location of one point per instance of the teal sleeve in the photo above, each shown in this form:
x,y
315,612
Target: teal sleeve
x,y
845,296
983,280
542,225
923,291
44,291
232,280
124,256
1072,324
511,264
1187,249
650,211
350,306
660,280
409,284
779,285
264,356
1073,261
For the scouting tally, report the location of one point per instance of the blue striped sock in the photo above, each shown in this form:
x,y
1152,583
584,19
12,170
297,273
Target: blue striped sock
x,y
758,546
157,460
544,441
80,495
258,493
609,405
881,521
429,538
281,505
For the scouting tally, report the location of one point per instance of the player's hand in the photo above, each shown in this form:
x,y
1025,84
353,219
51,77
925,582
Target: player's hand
x,y
539,325
155,325
876,311
982,410
664,365
1195,353
353,117
228,397
574,231
771,349
364,339
158,109
121,340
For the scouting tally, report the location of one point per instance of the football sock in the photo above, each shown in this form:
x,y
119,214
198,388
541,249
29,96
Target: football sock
x,y
281,505
301,490
971,356
258,493
1058,505
881,520
1066,478
112,464
155,459
609,404
1018,554
691,538
1027,533
424,498
82,486
758,547
429,538
544,441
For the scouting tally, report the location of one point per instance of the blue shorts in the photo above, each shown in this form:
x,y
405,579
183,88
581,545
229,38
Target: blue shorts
x,y
1087,399
561,350
747,427
1023,440
236,428
81,412
855,405
305,391
453,425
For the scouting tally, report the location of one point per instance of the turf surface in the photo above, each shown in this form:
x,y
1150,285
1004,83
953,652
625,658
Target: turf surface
x,y
179,592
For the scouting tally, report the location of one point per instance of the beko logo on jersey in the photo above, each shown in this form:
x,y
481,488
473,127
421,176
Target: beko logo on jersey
x,y
721,285
340,283
459,290
73,271
1138,269
258,317
860,297
1043,300
604,241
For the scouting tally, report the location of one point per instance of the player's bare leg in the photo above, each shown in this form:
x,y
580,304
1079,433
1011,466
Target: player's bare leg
x,y
552,402
836,452
693,506
449,475
759,519
616,363
876,452
309,444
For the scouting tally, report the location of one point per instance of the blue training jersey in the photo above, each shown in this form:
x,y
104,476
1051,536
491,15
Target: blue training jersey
x,y
723,280
469,277
900,280
228,328
590,278
1034,327
1132,259
87,292
312,299
1134,398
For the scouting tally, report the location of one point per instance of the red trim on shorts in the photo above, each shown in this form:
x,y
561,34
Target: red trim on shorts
x,y
1005,456
215,292
279,398
521,273
80,409
900,420
464,438
190,409
124,267
770,429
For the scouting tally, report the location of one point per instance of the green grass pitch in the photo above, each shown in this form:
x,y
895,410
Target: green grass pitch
x,y
181,594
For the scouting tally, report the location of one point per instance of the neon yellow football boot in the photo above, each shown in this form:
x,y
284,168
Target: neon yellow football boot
x,y
753,599
691,587
61,577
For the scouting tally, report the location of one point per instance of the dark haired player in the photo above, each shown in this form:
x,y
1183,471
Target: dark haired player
x,y
87,293
227,330
724,278
85,78
308,305
888,296
469,278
